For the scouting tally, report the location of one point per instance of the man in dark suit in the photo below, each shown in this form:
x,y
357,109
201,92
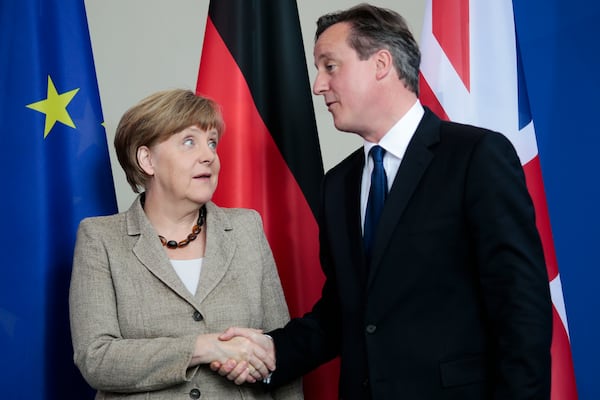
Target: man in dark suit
x,y
450,298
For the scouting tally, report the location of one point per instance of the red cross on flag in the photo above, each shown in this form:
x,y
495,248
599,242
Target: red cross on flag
x,y
471,73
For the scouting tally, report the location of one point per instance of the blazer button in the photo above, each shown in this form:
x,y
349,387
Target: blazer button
x,y
197,316
194,394
371,329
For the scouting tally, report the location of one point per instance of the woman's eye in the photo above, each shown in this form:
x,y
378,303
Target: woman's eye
x,y
188,142
212,144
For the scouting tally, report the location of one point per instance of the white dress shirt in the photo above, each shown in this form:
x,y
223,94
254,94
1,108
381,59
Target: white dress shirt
x,y
394,142
189,272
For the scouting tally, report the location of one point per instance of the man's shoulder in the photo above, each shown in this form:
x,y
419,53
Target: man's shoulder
x,y
352,161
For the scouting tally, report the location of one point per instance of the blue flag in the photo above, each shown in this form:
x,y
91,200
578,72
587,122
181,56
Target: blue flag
x,y
54,171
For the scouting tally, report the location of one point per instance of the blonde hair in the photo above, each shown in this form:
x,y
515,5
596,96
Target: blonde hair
x,y
154,119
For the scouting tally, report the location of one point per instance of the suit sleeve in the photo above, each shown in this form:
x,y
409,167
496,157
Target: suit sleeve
x,y
307,342
275,310
512,270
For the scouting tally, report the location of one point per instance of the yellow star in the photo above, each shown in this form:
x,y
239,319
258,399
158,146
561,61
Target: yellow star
x,y
55,107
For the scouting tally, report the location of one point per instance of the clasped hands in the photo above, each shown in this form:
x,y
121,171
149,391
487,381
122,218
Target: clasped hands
x,y
258,361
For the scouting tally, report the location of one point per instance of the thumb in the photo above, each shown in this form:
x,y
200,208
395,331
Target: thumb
x,y
228,334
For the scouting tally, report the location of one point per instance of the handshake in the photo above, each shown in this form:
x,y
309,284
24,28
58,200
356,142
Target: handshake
x,y
244,355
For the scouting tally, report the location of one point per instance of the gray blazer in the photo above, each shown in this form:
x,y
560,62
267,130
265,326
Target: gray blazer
x,y
133,322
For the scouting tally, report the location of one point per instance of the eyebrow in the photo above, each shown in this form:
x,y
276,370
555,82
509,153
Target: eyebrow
x,y
326,54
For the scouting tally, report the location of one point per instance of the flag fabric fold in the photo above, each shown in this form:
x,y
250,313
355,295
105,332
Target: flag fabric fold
x,y
55,170
471,73
253,64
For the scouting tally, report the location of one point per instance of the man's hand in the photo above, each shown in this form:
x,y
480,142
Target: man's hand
x,y
243,371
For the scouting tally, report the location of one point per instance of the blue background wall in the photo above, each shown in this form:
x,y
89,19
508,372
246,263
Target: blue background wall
x,y
561,55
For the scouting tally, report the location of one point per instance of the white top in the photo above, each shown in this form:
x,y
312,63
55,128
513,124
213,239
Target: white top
x,y
395,143
189,272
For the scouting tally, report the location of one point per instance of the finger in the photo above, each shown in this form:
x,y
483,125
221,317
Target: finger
x,y
228,334
215,365
240,368
227,367
255,373
266,354
243,376
261,369
248,333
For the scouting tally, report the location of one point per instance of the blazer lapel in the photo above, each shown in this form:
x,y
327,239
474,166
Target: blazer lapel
x,y
219,252
414,164
149,251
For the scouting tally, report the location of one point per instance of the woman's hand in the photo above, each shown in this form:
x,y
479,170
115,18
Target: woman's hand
x,y
241,372
244,351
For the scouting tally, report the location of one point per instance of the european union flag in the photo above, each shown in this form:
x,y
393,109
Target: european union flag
x,y
54,171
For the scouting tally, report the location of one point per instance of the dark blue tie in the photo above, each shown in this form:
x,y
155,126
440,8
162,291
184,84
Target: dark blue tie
x,y
377,195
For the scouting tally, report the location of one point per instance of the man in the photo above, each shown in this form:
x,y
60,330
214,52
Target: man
x,y
450,298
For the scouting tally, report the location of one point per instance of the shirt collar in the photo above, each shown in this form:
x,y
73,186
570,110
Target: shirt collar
x,y
396,140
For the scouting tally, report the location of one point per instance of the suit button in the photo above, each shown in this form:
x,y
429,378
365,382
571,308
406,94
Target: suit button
x,y
197,316
371,329
194,394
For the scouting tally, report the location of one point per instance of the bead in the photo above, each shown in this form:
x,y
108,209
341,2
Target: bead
x,y
172,244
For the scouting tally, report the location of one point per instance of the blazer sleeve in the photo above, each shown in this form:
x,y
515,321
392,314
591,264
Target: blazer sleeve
x,y
512,270
307,342
108,361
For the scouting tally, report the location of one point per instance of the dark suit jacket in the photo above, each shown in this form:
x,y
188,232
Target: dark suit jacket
x,y
455,303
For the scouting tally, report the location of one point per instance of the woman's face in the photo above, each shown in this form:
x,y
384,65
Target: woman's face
x,y
184,167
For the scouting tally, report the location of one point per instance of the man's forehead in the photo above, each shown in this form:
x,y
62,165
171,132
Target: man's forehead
x,y
331,41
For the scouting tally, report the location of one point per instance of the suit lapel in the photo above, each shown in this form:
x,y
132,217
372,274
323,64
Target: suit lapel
x,y
412,168
150,253
352,218
219,251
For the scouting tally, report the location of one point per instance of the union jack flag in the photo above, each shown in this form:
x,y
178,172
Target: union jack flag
x,y
471,73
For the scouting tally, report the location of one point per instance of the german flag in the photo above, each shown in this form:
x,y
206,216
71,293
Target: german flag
x,y
253,64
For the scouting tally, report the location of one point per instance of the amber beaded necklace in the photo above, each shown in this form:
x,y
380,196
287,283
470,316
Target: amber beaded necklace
x,y
173,244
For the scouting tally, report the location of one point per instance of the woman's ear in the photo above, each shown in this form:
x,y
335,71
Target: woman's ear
x,y
144,159
384,63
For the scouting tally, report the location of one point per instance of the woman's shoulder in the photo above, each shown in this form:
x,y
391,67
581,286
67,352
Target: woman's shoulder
x,y
235,216
233,212
102,222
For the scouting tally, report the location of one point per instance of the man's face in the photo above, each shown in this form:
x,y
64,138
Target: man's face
x,y
345,81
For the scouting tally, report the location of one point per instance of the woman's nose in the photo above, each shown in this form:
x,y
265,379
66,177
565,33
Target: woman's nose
x,y
207,154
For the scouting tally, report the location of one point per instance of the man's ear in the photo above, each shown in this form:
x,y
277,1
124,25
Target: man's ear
x,y
384,63
144,159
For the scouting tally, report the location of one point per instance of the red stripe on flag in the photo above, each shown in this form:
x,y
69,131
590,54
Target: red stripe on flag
x,y
450,26
563,372
535,184
255,175
563,375
429,98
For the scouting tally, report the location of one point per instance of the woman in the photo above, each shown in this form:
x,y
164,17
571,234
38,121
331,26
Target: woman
x,y
152,287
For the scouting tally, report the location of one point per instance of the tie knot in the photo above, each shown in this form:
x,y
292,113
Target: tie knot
x,y
377,153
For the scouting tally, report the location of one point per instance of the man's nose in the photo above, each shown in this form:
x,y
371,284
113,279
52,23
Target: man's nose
x,y
320,85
